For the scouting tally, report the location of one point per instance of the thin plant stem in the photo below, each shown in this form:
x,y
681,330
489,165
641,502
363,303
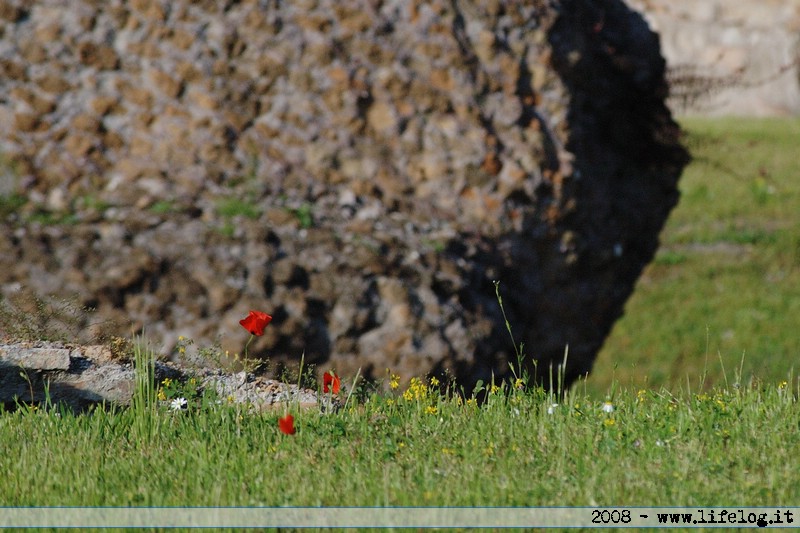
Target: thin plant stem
x,y
246,353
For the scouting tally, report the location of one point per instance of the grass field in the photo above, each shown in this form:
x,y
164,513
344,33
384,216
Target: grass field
x,y
727,446
660,423
724,289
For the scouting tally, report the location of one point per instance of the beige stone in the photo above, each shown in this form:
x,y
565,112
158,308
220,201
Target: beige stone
x,y
137,95
168,85
41,105
13,70
381,116
99,56
104,104
34,358
86,122
26,122
10,12
182,39
79,144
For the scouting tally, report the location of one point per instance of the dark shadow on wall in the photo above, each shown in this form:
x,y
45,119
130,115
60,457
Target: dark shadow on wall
x,y
21,386
566,278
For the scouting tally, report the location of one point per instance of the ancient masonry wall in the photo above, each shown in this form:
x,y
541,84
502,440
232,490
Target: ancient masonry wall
x,y
750,50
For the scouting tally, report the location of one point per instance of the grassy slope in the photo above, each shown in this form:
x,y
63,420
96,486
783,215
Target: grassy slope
x,y
725,284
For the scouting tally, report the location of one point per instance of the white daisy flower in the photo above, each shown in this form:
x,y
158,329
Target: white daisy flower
x,y
177,404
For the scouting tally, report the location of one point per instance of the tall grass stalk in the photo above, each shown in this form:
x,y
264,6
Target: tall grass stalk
x,y
519,372
144,402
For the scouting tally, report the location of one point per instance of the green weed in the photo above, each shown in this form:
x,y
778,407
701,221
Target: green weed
x,y
164,207
232,207
304,215
11,204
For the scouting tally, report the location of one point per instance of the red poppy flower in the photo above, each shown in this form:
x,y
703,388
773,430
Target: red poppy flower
x,y
255,322
286,425
331,381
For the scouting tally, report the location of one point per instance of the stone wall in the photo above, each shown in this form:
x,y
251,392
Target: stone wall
x,y
742,56
362,171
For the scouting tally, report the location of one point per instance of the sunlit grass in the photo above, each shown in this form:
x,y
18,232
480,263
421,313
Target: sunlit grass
x,y
638,447
725,284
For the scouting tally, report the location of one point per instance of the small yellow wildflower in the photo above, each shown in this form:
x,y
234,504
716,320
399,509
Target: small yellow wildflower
x,y
183,342
417,389
394,381
782,385
434,381
489,450
448,451
166,382
472,402
519,384
408,395
161,395
431,410
608,422
495,389
641,396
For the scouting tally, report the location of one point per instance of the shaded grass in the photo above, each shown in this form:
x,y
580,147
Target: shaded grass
x,y
726,282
